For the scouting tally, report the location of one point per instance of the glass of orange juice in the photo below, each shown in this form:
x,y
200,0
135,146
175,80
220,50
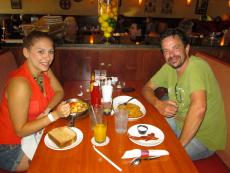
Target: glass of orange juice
x,y
100,131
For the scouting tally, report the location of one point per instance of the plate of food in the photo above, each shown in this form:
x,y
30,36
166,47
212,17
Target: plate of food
x,y
135,108
63,138
77,107
152,137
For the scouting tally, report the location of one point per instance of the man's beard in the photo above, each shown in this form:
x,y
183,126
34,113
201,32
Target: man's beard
x,y
181,62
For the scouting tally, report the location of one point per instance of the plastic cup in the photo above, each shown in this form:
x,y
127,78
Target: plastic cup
x,y
98,123
121,121
100,132
96,115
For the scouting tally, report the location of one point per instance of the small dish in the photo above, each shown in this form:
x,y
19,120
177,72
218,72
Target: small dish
x,y
152,130
100,144
142,129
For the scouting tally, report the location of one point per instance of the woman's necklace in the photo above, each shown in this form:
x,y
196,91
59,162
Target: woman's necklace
x,y
39,80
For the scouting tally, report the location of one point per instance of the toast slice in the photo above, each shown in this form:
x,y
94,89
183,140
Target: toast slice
x,y
62,136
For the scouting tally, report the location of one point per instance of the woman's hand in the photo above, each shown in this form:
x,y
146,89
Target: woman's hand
x,y
167,108
62,110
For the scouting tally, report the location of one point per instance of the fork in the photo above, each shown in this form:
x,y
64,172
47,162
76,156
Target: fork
x,y
72,121
125,103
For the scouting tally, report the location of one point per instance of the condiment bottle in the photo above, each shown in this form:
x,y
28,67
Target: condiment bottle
x,y
109,81
92,80
96,95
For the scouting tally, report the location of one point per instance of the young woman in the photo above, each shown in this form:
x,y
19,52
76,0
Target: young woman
x,y
30,102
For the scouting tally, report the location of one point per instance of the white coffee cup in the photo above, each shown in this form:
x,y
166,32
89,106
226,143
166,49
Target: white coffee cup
x,y
107,91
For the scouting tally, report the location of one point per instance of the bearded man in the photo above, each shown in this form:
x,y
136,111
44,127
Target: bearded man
x,y
195,108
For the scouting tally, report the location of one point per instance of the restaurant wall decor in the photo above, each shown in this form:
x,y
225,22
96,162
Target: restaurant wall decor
x,y
150,6
201,6
16,4
166,6
65,4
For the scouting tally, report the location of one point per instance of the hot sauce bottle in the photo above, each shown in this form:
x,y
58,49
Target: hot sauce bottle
x,y
95,95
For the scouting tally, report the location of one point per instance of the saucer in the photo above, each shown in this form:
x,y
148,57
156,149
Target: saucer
x,y
100,144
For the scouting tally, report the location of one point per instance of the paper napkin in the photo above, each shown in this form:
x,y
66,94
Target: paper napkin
x,y
30,143
138,153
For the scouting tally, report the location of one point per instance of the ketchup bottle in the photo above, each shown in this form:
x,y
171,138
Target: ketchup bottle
x,y
95,95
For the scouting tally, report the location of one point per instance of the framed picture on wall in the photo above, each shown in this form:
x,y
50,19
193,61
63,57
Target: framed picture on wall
x,y
16,4
150,6
201,7
166,6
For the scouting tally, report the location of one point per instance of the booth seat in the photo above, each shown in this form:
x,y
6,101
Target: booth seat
x,y
220,161
7,64
3,171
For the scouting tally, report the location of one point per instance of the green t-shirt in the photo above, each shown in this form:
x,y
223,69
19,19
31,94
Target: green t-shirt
x,y
197,76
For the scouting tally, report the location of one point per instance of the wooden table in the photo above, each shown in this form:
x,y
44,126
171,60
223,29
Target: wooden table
x,y
84,159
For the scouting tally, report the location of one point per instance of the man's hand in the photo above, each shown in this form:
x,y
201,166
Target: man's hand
x,y
167,108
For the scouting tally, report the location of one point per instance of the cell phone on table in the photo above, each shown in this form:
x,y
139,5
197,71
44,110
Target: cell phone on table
x,y
128,89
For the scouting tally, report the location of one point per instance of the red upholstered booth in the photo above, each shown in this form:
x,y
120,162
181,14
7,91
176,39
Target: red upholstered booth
x,y
219,162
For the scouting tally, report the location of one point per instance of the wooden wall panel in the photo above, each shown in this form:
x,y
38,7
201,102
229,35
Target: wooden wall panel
x,y
152,62
76,64
122,63
127,64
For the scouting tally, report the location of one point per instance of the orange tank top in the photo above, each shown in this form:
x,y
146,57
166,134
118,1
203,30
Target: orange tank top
x,y
38,103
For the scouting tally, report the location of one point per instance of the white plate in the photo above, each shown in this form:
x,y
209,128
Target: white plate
x,y
50,144
151,129
122,99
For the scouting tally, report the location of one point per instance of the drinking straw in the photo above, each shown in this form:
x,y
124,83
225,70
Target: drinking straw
x,y
106,158
94,114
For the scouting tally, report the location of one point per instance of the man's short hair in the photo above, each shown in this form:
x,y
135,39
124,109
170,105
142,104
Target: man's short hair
x,y
173,32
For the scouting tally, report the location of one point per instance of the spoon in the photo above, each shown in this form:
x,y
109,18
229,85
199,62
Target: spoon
x,y
136,161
